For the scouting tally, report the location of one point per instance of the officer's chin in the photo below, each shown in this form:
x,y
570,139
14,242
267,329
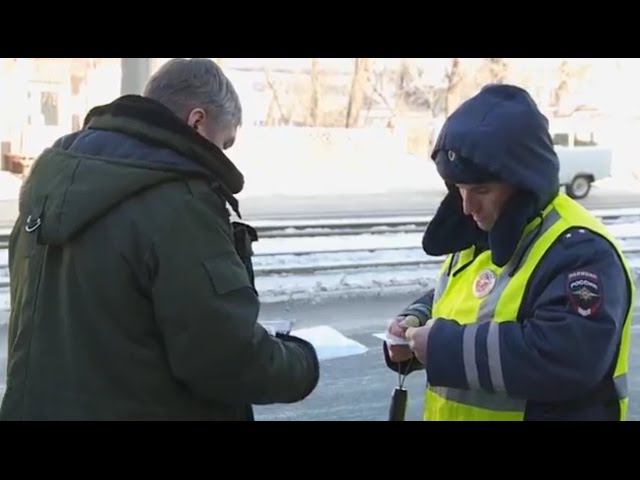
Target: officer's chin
x,y
484,226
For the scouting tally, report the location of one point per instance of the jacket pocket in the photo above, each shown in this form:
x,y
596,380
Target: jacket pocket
x,y
227,273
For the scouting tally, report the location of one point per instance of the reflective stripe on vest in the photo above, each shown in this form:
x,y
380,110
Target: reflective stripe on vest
x,y
456,300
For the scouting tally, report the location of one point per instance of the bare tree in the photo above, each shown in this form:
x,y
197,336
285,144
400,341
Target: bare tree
x,y
276,104
408,87
271,120
568,78
498,69
453,81
314,107
380,91
404,87
418,90
356,96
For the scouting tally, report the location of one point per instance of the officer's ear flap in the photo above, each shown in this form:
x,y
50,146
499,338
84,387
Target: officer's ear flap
x,y
451,230
505,234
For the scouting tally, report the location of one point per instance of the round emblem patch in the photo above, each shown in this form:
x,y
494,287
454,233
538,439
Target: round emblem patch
x,y
585,292
485,281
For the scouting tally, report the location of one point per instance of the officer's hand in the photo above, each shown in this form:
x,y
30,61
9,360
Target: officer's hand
x,y
417,338
397,328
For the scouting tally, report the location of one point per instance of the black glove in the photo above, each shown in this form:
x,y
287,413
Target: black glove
x,y
403,368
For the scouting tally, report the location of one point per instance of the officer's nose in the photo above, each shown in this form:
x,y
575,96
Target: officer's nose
x,y
468,204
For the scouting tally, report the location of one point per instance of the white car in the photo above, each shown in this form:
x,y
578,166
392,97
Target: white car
x,y
581,163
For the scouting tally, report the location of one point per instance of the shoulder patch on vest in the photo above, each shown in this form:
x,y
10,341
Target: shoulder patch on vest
x,y
585,292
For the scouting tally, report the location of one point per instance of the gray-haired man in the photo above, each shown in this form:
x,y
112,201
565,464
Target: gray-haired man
x,y
130,292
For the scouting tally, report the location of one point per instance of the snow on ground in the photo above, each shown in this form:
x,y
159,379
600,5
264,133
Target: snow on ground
x,y
329,243
382,240
365,248
279,287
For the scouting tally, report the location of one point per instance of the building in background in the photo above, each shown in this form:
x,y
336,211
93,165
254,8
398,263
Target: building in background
x,y
42,99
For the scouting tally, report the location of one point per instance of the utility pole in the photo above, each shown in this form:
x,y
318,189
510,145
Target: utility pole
x,y
135,73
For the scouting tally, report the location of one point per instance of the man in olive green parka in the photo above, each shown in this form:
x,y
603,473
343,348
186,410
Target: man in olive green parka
x,y
129,299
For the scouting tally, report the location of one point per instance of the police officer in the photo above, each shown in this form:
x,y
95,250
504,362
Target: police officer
x,y
530,319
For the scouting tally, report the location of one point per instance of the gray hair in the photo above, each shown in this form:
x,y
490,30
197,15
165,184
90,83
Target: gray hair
x,y
184,84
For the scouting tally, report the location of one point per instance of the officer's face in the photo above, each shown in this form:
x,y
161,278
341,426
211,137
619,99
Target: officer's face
x,y
484,201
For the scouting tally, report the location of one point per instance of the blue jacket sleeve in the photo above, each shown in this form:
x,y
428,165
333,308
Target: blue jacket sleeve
x,y
420,308
566,340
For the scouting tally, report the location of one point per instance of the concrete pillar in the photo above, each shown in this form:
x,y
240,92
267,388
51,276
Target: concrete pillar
x,y
135,73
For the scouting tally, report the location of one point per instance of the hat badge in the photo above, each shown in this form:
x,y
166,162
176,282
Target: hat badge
x,y
452,155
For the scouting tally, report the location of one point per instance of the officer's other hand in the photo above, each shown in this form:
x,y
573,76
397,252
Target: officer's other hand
x,y
397,328
417,338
